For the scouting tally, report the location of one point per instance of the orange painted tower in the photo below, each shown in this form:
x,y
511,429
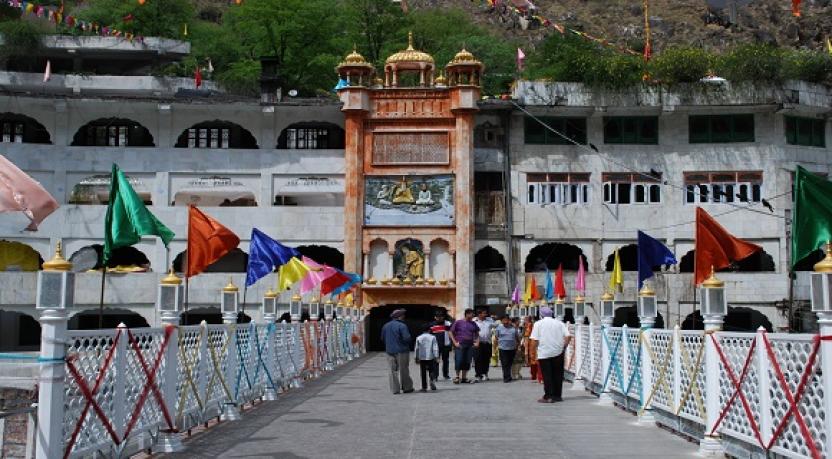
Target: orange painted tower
x,y
409,223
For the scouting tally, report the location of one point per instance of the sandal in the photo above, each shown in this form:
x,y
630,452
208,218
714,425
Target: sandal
x,y
456,380
465,381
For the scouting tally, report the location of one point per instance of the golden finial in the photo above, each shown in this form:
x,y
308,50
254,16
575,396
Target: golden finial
x,y
579,299
560,300
230,288
296,297
410,41
329,301
58,262
712,281
607,296
371,281
825,265
646,290
270,293
314,299
171,278
440,80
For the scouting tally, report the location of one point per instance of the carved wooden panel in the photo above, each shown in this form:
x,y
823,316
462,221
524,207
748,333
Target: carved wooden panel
x,y
397,148
403,105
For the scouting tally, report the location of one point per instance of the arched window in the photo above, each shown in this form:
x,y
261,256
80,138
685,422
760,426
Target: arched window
x,y
551,254
95,190
235,261
112,132
310,135
216,134
323,254
17,256
489,259
112,317
758,262
628,256
738,320
123,259
628,315
16,128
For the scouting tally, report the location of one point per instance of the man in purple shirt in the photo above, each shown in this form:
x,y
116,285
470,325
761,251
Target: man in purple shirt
x,y
465,337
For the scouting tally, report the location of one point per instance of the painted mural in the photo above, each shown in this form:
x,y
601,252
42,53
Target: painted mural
x,y
409,200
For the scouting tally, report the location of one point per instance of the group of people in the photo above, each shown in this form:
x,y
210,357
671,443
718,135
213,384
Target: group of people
x,y
538,343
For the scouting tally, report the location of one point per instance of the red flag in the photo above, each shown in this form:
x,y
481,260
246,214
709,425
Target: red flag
x,y
560,288
796,8
715,247
208,241
534,293
333,282
197,77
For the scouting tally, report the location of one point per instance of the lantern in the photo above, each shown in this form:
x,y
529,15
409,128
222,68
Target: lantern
x,y
294,307
822,284
560,308
647,306
580,309
269,308
607,307
713,297
328,309
56,283
229,301
314,308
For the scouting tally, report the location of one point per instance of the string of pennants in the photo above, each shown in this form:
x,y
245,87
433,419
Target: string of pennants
x,y
57,16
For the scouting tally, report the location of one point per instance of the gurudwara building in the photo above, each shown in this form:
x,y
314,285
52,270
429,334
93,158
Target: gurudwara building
x,y
438,197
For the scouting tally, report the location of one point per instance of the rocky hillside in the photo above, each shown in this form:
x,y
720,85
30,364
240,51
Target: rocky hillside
x,y
707,23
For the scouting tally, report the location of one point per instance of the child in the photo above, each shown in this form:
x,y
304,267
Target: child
x,y
427,356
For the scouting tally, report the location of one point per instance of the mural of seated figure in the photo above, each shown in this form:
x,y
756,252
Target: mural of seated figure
x,y
402,193
425,197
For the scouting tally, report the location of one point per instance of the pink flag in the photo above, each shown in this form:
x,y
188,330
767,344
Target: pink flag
x,y
580,282
21,193
521,59
47,73
315,276
515,295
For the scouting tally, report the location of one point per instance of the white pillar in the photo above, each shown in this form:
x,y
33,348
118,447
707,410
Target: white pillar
x,y
50,441
763,385
676,348
366,266
427,265
825,324
577,355
604,397
390,269
231,411
711,445
646,413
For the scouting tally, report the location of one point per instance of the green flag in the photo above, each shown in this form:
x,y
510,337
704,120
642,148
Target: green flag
x,y
127,217
812,216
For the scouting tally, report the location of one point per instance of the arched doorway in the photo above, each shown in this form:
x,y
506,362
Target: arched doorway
x,y
17,256
88,319
739,319
417,316
18,332
628,315
123,259
488,259
628,256
552,254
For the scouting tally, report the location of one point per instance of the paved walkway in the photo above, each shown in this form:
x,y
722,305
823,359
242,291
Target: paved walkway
x,y
352,414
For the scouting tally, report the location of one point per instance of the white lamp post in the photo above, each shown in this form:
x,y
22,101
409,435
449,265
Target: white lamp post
x,y
607,308
230,302
295,305
339,310
329,307
714,308
314,308
560,308
169,298
580,310
269,307
647,310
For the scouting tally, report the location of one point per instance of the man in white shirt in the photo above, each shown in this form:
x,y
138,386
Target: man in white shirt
x,y
550,337
482,354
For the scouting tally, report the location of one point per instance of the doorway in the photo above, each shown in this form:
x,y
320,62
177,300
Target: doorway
x,y
417,316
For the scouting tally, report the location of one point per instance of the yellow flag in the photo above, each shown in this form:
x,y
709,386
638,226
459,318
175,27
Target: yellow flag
x,y
290,273
527,291
617,277
829,45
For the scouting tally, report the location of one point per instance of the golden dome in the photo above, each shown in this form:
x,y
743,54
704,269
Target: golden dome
x,y
171,278
713,282
646,290
58,262
607,296
579,299
440,80
230,288
354,57
825,265
464,57
410,54
270,293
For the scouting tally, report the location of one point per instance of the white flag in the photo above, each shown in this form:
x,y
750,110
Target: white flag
x,y
47,73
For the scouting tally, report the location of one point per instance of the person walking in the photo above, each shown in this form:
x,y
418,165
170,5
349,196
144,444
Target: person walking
x,y
396,340
550,337
508,337
439,329
482,354
465,338
427,356
519,356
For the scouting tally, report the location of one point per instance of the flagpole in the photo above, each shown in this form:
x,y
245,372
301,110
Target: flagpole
x,y
245,289
185,312
101,298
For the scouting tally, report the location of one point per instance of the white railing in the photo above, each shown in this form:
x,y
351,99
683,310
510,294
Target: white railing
x,y
769,397
123,387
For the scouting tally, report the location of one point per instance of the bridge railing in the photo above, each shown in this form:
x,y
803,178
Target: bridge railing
x,y
771,391
127,390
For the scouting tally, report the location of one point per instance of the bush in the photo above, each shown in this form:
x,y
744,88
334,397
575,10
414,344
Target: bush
x,y
811,66
20,38
751,63
241,77
616,71
681,65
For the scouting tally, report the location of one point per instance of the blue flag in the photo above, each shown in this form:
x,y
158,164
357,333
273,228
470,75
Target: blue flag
x,y
550,287
651,253
342,83
264,255
353,279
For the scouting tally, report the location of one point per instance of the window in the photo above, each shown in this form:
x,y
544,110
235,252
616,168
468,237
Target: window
x,y
17,128
113,132
631,188
721,128
558,188
723,187
642,130
12,131
311,136
208,137
216,134
808,132
538,134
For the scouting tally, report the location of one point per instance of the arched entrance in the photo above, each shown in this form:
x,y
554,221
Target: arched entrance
x,y
417,316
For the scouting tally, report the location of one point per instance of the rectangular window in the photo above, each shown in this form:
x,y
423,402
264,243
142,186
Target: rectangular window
x,y
537,134
721,128
631,188
18,132
807,132
642,130
191,138
723,187
558,188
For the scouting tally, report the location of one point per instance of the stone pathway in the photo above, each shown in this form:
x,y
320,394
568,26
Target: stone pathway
x,y
352,414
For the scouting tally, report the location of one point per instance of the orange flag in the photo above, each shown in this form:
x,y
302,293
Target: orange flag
x,y
208,241
535,294
796,8
715,247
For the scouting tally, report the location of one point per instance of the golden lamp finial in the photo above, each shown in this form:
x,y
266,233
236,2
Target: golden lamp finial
x,y
231,288
58,262
171,278
410,40
825,265
712,281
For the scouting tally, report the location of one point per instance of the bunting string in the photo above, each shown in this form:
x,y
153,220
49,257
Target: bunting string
x,y
57,16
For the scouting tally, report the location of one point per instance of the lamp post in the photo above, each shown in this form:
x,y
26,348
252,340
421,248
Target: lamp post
x,y
339,310
607,313
329,308
229,304
822,306
269,311
169,298
560,306
314,308
580,310
607,309
295,305
647,312
714,308
647,306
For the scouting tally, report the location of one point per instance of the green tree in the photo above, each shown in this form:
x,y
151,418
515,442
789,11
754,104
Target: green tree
x,y
372,24
156,18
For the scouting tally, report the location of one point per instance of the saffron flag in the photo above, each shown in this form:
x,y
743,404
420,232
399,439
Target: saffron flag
x,y
796,8
550,287
812,219
515,295
651,253
715,247
314,277
560,287
290,273
208,241
21,193
534,295
521,60
127,218
580,282
265,254
617,276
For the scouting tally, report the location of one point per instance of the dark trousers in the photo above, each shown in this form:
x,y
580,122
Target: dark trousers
x,y
428,369
482,358
506,360
445,352
552,370
462,357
